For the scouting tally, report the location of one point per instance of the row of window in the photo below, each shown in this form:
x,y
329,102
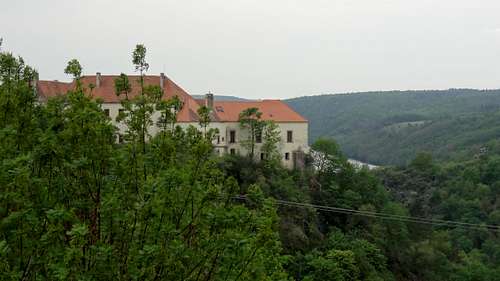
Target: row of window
x,y
232,133
287,156
231,140
106,111
232,151
258,137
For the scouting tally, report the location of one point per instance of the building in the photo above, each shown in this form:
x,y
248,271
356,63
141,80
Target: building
x,y
293,127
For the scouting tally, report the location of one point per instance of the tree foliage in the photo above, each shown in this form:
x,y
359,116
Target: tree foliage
x,y
249,120
74,68
271,143
75,205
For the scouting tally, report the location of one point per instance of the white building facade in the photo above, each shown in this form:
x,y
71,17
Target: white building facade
x,y
224,115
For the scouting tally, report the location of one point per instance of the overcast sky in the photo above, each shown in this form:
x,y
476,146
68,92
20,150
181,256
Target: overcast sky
x,y
266,48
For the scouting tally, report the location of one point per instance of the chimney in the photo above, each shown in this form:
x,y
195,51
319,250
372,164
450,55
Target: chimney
x,y
209,100
162,80
97,79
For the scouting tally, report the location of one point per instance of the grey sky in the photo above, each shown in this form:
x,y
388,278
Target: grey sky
x,y
266,49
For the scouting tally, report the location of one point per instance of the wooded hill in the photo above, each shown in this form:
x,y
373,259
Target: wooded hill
x,y
392,127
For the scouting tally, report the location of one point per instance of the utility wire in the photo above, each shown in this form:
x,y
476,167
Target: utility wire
x,y
385,216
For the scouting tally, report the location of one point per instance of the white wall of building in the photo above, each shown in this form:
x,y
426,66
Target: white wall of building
x,y
222,144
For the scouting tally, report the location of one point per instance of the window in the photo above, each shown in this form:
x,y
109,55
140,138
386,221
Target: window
x,y
289,136
262,156
232,136
232,151
120,112
218,139
120,138
258,137
222,139
106,112
287,156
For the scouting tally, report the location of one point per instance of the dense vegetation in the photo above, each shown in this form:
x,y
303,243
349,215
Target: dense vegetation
x,y
74,205
335,245
77,205
468,192
390,128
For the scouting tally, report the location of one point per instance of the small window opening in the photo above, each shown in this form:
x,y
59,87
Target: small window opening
x,y
289,136
232,136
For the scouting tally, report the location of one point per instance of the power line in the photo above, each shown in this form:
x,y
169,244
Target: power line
x,y
385,216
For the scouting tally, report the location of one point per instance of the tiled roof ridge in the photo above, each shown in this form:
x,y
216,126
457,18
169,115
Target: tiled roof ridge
x,y
224,110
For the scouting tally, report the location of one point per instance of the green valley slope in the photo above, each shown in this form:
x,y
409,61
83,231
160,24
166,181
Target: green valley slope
x,y
389,128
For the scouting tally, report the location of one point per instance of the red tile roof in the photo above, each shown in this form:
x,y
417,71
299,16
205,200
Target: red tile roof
x,y
106,91
229,111
223,111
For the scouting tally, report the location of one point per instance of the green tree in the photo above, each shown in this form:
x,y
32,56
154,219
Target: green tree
x,y
142,102
272,140
204,115
335,265
168,110
122,86
137,112
139,59
17,103
74,68
249,119
328,158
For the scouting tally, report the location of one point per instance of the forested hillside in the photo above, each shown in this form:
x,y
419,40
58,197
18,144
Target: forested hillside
x,y
425,221
391,127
